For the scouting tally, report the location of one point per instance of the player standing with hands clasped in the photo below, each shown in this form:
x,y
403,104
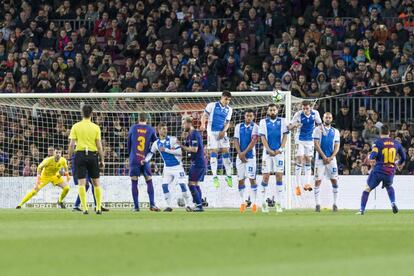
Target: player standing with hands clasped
x,y
245,138
327,141
273,132
217,116
86,136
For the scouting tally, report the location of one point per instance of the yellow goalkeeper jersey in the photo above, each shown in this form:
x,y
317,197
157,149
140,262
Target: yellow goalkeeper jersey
x,y
50,167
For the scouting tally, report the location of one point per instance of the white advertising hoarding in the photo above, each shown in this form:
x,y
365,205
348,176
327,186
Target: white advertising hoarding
x,y
117,193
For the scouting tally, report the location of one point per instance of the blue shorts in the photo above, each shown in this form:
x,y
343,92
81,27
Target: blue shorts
x,y
196,174
138,170
375,178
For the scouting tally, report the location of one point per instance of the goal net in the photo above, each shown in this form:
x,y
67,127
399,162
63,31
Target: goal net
x,y
30,124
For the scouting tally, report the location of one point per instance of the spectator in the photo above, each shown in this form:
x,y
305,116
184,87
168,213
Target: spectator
x,y
370,132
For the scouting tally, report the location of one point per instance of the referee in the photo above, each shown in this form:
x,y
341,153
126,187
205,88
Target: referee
x,y
86,135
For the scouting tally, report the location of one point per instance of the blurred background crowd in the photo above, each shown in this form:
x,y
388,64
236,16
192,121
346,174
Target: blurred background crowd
x,y
359,52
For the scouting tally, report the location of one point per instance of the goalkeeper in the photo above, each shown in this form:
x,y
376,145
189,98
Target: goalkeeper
x,y
51,170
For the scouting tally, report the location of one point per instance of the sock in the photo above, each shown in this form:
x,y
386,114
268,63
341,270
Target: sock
x,y
82,196
298,174
213,163
279,191
308,173
227,163
317,195
335,194
264,192
98,196
93,192
150,191
134,190
64,193
391,194
196,195
254,193
241,192
364,200
27,197
199,191
77,201
185,194
167,194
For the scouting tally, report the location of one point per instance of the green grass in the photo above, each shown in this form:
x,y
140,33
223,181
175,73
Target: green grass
x,y
217,242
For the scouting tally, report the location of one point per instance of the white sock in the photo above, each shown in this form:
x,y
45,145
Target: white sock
x,y
213,164
167,197
298,174
308,173
279,194
186,198
335,194
264,192
241,192
317,196
254,194
228,166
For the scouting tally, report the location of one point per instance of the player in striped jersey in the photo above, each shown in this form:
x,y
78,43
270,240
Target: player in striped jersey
x,y
305,120
245,139
327,141
171,153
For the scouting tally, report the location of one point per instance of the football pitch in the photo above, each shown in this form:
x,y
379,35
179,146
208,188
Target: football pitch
x,y
217,242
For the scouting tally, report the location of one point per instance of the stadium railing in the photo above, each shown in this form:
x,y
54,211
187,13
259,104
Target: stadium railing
x,y
390,109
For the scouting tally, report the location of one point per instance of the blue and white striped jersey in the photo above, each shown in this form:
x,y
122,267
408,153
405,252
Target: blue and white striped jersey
x,y
218,116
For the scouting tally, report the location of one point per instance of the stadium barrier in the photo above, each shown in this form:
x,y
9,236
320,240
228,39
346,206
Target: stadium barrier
x,y
390,109
117,193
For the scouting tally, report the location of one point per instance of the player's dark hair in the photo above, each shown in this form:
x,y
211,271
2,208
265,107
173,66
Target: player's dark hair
x,y
249,110
226,93
87,111
272,105
385,130
306,103
162,124
142,117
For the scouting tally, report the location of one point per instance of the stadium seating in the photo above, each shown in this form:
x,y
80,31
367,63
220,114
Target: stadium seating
x,y
356,56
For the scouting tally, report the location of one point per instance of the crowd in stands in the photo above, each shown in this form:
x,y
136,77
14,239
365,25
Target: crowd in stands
x,y
356,48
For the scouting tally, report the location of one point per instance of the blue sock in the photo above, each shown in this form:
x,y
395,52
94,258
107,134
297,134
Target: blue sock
x,y
196,195
364,200
199,191
77,202
183,187
391,194
150,190
134,189
279,183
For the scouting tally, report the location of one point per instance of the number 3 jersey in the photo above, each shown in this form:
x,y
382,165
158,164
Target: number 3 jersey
x,y
385,151
140,139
